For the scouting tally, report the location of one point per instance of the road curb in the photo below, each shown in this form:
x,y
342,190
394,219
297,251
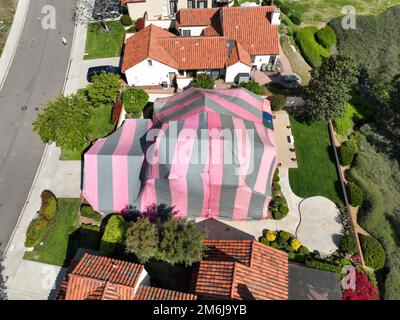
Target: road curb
x,y
14,35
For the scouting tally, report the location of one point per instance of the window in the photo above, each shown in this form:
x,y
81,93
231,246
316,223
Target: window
x,y
173,8
185,33
190,4
202,4
150,63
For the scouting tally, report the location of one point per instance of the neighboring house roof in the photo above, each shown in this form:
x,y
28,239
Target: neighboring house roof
x,y
311,284
183,53
241,269
249,26
144,44
102,278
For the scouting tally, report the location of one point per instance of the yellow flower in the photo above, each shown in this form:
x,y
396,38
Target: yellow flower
x,y
271,236
296,244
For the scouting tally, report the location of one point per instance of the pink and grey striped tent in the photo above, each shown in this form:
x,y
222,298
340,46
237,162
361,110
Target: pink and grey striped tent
x,y
206,153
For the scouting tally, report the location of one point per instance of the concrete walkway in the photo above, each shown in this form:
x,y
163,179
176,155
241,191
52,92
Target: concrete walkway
x,y
315,221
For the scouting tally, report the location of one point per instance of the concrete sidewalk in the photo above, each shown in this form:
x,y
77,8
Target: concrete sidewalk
x,y
13,39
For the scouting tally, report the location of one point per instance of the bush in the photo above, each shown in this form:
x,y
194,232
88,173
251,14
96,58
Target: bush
x,y
281,213
278,102
326,37
114,235
295,18
88,212
265,241
347,151
309,47
36,231
48,209
365,290
204,81
348,244
134,101
373,252
296,244
345,123
291,256
321,265
284,235
104,89
181,242
132,29
254,87
304,251
142,239
270,236
276,188
356,194
126,20
276,177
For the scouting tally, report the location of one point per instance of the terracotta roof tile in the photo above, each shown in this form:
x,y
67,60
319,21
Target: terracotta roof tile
x,y
151,293
241,269
195,17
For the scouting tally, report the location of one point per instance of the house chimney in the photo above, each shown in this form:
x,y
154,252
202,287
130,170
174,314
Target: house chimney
x,y
275,16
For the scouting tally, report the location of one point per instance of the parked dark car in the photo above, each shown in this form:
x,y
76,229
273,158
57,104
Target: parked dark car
x,y
106,9
97,70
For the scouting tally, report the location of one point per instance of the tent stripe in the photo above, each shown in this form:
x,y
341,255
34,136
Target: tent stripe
x,y
255,156
242,202
255,109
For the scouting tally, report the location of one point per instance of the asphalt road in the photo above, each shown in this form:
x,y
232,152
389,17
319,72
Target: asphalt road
x,y
37,74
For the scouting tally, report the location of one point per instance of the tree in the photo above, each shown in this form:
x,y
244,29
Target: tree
x,y
330,87
203,80
64,121
134,101
114,235
104,89
181,242
254,87
83,13
142,239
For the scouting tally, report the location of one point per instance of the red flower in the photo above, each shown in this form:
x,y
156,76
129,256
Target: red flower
x,y
364,290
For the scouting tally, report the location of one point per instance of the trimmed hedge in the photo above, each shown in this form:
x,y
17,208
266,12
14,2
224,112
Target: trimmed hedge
x,y
114,235
373,252
348,244
203,80
345,123
326,37
309,47
254,87
356,194
321,265
134,101
88,212
126,20
48,209
347,151
36,231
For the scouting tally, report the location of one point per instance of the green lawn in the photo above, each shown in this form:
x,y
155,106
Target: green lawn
x,y
101,44
316,174
61,245
316,11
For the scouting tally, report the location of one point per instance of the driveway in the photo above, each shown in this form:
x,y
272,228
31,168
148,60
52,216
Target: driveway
x,y
37,74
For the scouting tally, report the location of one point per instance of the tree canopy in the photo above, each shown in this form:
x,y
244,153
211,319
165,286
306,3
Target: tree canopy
x,y
104,89
330,87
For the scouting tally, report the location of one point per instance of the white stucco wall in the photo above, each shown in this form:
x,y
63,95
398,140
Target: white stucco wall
x,y
183,82
194,31
143,74
260,60
233,70
164,24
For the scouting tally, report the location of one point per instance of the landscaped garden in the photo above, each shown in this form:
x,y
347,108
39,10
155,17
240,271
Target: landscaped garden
x,y
102,44
316,174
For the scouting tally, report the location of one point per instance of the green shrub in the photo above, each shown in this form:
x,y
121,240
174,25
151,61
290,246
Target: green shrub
x,y
304,251
295,18
114,235
348,244
277,102
373,252
291,255
134,101
36,231
347,151
126,20
356,194
276,245
281,213
88,212
276,188
48,209
276,177
203,80
284,235
345,123
326,37
132,29
254,87
310,49
321,265
264,241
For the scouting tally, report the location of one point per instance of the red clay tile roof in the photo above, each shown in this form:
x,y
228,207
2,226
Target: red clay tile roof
x,y
241,269
249,26
195,17
101,278
144,44
151,293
